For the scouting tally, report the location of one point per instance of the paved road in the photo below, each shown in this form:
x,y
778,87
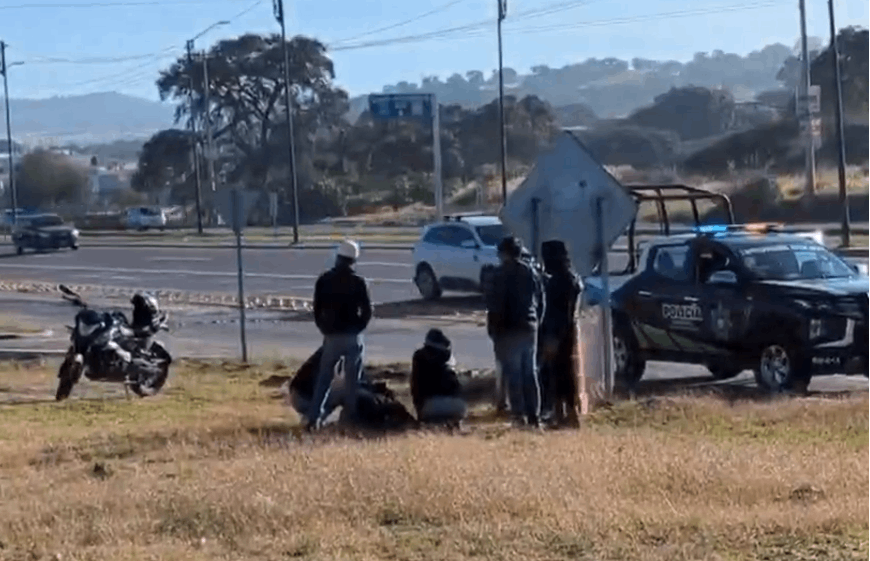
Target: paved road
x,y
213,333
288,273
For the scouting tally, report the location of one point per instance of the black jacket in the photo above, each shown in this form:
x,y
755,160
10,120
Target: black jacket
x,y
563,289
516,301
342,305
431,376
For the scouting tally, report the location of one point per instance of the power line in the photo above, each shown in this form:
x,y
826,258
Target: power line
x,y
45,59
476,30
480,25
434,11
125,4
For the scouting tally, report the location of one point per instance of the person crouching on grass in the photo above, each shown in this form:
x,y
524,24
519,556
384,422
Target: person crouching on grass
x,y
435,387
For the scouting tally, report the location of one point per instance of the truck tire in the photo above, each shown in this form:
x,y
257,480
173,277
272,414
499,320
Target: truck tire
x,y
781,367
628,366
19,249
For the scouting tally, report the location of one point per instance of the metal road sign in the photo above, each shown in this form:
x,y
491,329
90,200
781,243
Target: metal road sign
x,y
235,211
401,106
414,106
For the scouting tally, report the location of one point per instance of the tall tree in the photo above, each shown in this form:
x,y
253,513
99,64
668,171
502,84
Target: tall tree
x,y
47,179
246,90
165,162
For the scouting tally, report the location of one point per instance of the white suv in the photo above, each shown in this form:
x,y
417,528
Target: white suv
x,y
457,254
143,217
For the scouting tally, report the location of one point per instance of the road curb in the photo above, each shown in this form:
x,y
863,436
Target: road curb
x,y
269,302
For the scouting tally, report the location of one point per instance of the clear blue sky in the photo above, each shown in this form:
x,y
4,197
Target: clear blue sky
x,y
552,32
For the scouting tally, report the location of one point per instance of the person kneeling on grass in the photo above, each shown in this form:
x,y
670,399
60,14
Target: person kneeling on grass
x,y
300,389
377,406
435,387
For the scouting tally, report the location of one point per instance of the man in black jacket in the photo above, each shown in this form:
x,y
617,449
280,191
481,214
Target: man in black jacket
x,y
342,311
558,337
435,388
515,307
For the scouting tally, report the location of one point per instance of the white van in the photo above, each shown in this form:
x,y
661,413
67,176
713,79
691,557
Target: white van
x,y
144,217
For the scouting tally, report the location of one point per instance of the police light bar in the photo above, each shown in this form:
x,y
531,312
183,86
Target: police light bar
x,y
755,227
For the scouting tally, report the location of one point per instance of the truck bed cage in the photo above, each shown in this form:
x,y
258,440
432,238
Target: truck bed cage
x,y
660,194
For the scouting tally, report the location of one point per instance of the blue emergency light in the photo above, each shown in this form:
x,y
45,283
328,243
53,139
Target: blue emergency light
x,y
711,229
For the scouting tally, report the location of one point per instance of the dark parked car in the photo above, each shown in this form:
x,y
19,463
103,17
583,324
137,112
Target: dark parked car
x,y
41,232
777,303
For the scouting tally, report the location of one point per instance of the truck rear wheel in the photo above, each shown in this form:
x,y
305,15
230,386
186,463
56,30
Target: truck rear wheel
x,y
628,366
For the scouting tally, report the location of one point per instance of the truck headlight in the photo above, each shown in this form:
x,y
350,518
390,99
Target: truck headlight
x,y
826,328
817,329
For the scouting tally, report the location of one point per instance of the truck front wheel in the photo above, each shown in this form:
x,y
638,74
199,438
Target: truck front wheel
x,y
781,368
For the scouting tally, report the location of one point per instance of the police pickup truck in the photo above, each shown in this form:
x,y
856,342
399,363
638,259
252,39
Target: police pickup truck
x,y
738,297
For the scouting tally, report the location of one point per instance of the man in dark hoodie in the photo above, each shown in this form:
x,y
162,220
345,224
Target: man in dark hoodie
x,y
515,307
558,333
435,388
342,311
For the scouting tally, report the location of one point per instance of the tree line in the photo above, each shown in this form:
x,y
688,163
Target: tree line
x,y
341,160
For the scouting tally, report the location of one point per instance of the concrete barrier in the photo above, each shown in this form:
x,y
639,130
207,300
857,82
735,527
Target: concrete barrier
x,y
256,301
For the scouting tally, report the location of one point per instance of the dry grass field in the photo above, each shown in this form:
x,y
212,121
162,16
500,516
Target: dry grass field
x,y
216,468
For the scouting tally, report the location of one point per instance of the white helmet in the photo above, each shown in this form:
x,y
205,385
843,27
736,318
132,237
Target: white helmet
x,y
348,249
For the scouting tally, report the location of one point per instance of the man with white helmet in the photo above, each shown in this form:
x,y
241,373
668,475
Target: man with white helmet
x,y
342,311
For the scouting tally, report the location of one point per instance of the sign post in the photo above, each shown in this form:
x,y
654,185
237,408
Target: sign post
x,y
415,106
607,324
273,212
236,204
238,221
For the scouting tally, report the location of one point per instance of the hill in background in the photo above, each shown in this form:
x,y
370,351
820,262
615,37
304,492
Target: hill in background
x,y
86,119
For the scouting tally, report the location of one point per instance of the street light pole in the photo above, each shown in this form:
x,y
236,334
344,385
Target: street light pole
x,y
193,140
502,13
804,114
841,139
208,134
12,189
278,8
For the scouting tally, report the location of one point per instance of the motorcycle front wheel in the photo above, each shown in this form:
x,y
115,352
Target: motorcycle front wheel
x,y
69,373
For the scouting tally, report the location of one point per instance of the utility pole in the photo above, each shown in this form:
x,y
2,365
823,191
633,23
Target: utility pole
x,y
278,9
804,114
502,13
206,85
193,139
841,139
14,195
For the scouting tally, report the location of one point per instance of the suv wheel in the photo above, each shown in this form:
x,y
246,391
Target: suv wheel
x,y
426,283
628,366
780,369
19,250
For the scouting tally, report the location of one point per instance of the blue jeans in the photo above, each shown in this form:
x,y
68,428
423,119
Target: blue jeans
x,y
351,348
517,354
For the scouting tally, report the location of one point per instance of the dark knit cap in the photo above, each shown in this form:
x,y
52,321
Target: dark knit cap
x,y
436,339
511,246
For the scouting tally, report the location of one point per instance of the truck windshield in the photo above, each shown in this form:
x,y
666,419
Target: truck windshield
x,y
491,234
794,262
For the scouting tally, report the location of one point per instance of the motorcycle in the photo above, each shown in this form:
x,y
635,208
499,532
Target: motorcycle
x,y
104,347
